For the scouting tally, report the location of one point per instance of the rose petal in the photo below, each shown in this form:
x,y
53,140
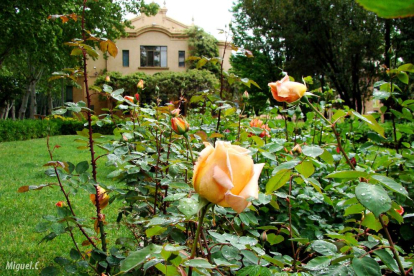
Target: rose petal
x,y
222,178
204,154
237,203
252,188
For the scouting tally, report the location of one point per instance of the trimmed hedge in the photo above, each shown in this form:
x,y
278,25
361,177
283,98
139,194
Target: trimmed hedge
x,y
32,129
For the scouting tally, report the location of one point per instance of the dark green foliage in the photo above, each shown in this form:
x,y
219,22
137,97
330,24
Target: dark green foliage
x,y
335,41
201,45
32,129
171,84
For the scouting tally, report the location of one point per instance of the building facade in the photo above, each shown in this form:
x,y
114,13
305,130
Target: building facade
x,y
154,44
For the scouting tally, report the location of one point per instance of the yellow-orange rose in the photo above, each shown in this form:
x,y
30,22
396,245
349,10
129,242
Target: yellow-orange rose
x,y
225,175
102,196
286,90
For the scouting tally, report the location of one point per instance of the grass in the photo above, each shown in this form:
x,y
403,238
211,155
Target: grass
x,y
21,163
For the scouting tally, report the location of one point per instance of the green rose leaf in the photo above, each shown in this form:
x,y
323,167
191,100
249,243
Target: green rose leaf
x,y
373,197
366,266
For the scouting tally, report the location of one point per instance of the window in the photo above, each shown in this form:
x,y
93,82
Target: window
x,y
69,93
125,58
181,58
153,56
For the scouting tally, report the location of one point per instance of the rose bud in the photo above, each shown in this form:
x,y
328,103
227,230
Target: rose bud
x,y
102,196
140,84
179,125
226,175
297,148
175,112
286,90
107,78
129,98
400,211
136,96
59,204
353,161
246,95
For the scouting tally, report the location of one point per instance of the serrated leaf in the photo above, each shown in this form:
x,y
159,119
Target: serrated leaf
x,y
312,151
324,248
278,180
138,257
371,222
347,174
366,266
373,197
391,184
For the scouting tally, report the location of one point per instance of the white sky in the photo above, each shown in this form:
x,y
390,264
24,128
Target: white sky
x,y
208,14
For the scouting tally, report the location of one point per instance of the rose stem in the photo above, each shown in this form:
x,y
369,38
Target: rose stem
x,y
397,258
338,138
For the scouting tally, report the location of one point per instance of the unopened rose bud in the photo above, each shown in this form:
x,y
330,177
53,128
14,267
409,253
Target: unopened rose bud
x,y
297,148
107,78
129,98
175,112
400,211
263,236
59,204
179,125
353,161
286,90
140,84
136,96
246,95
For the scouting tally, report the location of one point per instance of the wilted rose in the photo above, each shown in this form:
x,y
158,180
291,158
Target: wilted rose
x,y
179,125
103,198
226,175
286,90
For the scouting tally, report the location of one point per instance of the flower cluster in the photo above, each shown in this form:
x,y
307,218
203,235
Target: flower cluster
x,y
259,124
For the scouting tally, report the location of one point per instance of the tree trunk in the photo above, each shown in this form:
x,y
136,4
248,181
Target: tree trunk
x,y
33,101
8,107
13,110
49,102
62,92
2,112
25,100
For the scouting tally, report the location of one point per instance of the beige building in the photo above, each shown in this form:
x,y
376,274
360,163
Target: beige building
x,y
154,44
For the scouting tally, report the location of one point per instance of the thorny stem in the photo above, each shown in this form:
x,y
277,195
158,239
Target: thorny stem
x,y
91,142
337,136
67,197
290,224
166,171
397,258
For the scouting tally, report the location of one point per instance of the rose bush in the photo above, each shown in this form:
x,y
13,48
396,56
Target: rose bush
x,y
225,175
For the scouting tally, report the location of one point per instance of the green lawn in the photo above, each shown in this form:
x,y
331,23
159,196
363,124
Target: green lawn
x,y
21,164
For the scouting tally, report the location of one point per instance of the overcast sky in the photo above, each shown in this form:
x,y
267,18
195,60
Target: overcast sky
x,y
208,14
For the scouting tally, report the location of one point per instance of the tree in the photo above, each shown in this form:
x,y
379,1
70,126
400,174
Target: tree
x,y
334,40
202,44
35,43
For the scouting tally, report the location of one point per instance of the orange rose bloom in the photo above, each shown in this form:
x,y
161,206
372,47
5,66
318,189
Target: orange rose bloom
x,y
226,175
286,90
259,123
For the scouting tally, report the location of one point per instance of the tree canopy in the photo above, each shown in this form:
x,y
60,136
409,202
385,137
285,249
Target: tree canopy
x,y
337,41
